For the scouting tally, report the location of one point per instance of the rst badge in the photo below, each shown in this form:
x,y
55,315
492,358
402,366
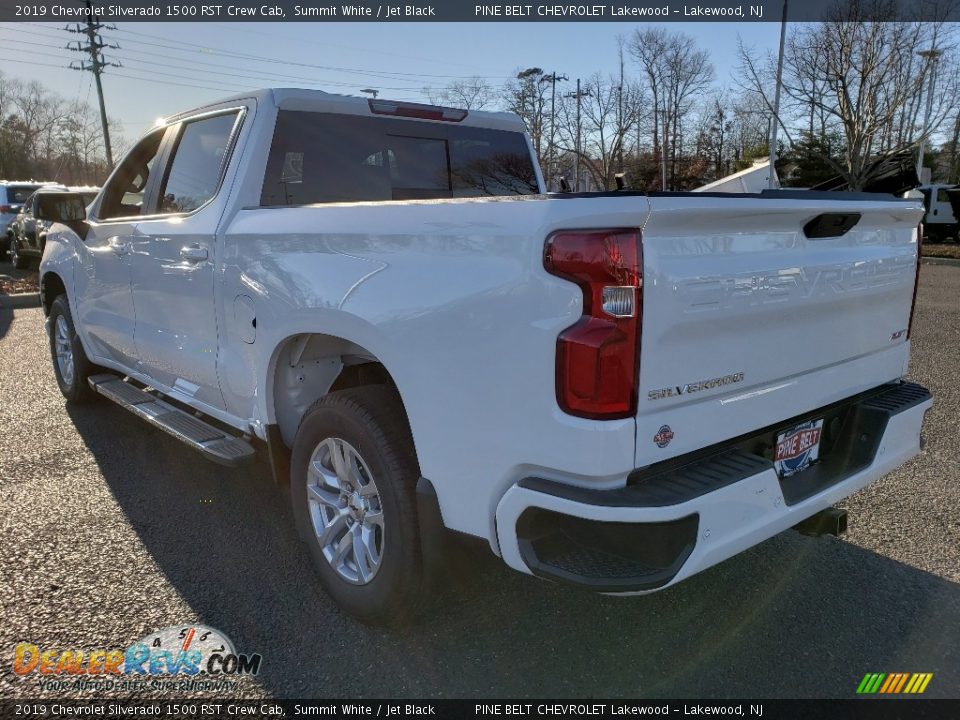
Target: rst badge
x,y
797,448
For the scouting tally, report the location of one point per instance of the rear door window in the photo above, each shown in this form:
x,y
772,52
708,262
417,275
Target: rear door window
x,y
324,158
198,163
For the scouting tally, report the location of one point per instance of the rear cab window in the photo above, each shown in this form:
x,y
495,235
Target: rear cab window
x,y
325,158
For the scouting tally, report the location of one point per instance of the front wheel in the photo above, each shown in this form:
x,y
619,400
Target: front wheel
x,y
353,478
70,364
18,260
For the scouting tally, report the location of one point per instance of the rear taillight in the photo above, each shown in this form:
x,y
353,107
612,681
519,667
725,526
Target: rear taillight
x,y
4,208
916,281
598,357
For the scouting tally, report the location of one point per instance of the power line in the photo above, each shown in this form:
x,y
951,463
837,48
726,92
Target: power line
x,y
252,74
94,47
267,75
124,76
232,27
206,49
262,58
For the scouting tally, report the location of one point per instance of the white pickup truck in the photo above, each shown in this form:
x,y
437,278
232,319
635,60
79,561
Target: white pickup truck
x,y
612,390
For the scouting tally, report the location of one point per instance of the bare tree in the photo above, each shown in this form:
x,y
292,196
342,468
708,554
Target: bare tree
x,y
46,138
609,112
473,93
677,74
856,74
528,95
648,48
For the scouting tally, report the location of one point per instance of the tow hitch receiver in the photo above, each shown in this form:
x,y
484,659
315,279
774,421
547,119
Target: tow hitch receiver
x,y
826,522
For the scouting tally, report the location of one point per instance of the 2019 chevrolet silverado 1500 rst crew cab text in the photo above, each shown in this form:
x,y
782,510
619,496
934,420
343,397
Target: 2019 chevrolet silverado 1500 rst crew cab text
x,y
613,390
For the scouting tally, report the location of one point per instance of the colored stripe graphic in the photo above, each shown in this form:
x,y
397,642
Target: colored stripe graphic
x,y
903,680
894,683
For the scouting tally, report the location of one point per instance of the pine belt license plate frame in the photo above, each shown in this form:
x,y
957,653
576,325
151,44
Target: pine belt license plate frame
x,y
797,448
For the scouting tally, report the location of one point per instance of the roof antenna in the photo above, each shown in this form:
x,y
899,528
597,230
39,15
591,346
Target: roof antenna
x,y
564,185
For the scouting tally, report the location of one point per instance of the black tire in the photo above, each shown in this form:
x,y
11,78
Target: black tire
x,y
77,390
18,260
371,419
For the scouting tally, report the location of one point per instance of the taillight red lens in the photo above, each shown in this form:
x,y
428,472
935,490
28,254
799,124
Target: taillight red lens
x,y
916,281
598,357
4,208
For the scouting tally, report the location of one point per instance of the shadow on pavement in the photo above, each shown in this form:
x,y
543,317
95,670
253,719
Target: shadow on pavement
x,y
795,617
6,319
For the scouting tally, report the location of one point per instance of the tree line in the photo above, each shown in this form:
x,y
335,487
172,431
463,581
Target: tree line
x,y
856,92
46,137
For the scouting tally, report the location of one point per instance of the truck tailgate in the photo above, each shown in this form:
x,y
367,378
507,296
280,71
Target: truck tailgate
x,y
747,321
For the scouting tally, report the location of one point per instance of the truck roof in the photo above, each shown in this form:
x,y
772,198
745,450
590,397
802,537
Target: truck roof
x,y
320,101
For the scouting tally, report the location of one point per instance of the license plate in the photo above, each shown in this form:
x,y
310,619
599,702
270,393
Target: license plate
x,y
797,448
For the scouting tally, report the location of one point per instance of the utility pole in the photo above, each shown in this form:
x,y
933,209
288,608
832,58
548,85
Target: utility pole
x,y
771,181
621,131
552,79
94,47
663,152
931,56
578,95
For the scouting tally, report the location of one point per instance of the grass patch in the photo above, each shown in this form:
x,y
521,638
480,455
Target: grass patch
x,y
943,250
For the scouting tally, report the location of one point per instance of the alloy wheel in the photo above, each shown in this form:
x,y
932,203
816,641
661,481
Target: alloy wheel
x,y
345,510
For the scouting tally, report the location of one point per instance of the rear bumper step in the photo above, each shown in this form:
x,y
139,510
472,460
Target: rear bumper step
x,y
670,522
213,443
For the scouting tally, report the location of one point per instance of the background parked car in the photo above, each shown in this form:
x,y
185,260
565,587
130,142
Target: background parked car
x,y
942,220
46,206
12,197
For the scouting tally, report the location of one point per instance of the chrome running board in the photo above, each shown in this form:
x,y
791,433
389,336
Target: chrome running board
x,y
214,443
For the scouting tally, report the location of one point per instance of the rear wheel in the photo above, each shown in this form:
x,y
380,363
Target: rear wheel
x,y
70,364
352,484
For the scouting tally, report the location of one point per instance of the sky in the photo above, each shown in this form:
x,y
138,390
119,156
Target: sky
x,y
169,67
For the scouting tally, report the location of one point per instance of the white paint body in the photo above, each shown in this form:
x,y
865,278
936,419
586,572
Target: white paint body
x,y
452,298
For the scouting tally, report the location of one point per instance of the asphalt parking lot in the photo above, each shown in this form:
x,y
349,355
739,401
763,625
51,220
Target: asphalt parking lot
x,y
111,529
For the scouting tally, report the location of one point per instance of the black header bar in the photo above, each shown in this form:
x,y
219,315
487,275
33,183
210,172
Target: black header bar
x,y
593,709
620,11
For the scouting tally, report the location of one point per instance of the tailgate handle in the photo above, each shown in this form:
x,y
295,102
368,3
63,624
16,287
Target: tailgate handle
x,y
829,225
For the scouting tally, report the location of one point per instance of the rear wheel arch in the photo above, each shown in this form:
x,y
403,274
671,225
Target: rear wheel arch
x,y
307,367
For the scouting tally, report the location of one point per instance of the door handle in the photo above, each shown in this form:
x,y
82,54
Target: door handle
x,y
193,253
119,247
